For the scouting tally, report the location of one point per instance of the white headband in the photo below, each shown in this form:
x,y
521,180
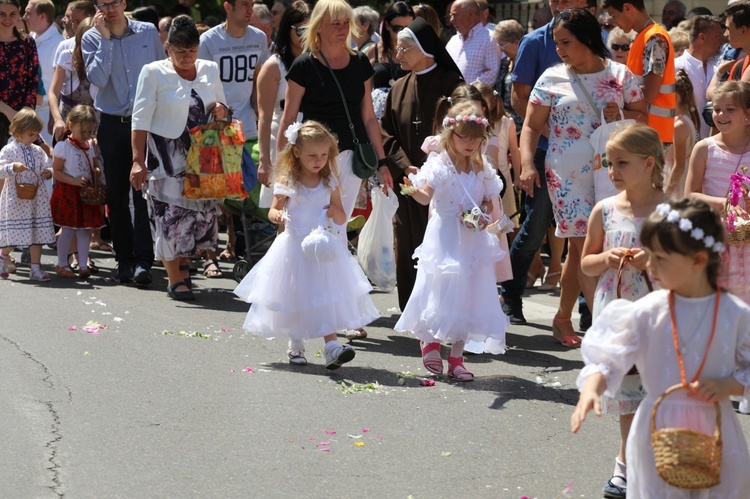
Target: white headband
x,y
292,131
686,225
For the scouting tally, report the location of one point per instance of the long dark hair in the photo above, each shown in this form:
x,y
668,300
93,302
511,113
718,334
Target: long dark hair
x,y
295,14
583,25
397,9
79,66
20,36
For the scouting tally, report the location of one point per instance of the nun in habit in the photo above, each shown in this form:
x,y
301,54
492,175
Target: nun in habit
x,y
407,121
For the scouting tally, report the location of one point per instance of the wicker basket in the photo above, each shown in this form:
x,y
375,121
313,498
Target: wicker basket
x,y
686,459
25,190
740,234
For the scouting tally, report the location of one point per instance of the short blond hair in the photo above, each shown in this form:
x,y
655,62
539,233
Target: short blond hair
x,y
680,39
25,120
335,10
641,140
508,30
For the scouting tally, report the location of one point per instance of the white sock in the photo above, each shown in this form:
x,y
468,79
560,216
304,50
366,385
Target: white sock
x,y
35,266
622,470
331,345
296,345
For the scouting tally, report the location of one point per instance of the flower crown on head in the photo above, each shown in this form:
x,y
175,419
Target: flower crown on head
x,y
292,131
686,225
448,121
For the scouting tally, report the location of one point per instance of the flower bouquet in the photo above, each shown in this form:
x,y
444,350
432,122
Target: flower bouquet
x,y
475,219
738,230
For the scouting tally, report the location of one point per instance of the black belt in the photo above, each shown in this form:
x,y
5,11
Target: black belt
x,y
118,119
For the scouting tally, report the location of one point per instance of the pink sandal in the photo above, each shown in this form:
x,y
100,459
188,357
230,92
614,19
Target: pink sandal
x,y
457,369
432,364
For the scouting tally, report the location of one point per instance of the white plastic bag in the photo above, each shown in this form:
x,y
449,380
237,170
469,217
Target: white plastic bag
x,y
375,252
603,187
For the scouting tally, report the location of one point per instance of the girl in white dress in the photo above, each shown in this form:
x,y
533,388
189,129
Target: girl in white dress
x,y
670,335
25,222
455,295
291,294
613,253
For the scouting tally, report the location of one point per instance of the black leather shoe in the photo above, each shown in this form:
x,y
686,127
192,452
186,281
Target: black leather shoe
x,y
124,273
513,308
180,295
142,275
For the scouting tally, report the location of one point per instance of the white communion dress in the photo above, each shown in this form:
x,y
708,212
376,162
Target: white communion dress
x,y
455,295
298,297
640,333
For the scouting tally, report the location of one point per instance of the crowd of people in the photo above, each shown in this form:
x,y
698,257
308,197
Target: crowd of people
x,y
621,142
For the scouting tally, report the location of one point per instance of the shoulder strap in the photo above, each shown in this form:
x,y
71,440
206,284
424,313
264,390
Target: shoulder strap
x,y
586,92
343,99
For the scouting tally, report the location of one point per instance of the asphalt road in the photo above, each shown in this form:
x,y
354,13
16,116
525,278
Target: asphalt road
x,y
175,400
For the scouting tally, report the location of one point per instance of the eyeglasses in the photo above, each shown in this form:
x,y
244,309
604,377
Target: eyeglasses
x,y
403,50
503,45
299,30
624,46
396,28
104,7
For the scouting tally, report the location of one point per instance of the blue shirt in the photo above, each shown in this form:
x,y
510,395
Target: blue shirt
x,y
114,65
536,52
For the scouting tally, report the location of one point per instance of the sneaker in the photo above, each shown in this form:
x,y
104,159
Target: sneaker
x,y
26,256
4,270
297,357
338,356
39,275
142,275
513,308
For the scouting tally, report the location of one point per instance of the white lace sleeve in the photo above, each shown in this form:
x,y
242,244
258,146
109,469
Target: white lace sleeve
x,y
492,183
742,356
434,172
611,345
283,190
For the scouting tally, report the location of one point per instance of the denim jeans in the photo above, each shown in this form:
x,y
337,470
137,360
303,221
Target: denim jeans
x,y
131,237
538,211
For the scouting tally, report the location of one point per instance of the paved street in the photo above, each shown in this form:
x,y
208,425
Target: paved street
x,y
175,400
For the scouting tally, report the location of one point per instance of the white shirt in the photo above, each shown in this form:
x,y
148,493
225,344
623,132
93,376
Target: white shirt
x,y
162,98
475,55
46,45
700,78
237,59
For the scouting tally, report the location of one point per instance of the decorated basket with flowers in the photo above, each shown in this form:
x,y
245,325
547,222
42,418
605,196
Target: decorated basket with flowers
x,y
475,219
738,230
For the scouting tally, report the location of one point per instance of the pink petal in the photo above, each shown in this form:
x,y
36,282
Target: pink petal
x,y
427,382
365,430
325,449
249,370
225,330
568,488
231,370
379,437
92,329
330,432
322,444
72,328
311,438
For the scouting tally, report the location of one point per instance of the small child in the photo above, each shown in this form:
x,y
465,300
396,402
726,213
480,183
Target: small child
x,y
75,165
25,222
670,335
502,141
455,295
686,126
712,164
291,294
612,252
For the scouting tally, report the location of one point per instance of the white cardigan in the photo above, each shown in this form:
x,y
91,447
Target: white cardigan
x,y
162,98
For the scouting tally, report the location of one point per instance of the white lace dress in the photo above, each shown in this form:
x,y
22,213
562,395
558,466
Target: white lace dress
x,y
640,333
455,295
299,298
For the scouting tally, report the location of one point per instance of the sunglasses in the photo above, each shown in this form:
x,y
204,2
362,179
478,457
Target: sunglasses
x,y
396,28
624,47
299,30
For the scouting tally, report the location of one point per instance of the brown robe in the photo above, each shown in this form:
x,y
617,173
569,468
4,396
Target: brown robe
x,y
412,99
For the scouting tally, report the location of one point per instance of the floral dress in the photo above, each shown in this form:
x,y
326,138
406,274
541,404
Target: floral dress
x,y
569,161
19,78
621,231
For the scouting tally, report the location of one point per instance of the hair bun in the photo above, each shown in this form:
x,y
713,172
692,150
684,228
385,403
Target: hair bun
x,y
183,32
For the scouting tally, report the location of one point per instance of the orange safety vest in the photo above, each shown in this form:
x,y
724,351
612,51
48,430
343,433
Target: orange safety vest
x,y
660,112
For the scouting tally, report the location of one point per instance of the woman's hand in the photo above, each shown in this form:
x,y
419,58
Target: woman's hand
x,y
220,112
46,174
529,179
58,129
138,175
611,112
264,173
386,178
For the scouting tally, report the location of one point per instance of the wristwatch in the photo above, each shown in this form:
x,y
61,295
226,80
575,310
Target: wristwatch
x,y
382,162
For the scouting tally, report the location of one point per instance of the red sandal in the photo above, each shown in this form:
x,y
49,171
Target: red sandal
x,y
457,369
432,364
567,340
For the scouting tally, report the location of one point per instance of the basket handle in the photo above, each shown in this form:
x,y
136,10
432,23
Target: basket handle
x,y
15,177
674,388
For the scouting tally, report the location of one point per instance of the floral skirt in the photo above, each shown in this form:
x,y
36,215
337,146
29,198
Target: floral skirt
x,y
181,232
69,211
